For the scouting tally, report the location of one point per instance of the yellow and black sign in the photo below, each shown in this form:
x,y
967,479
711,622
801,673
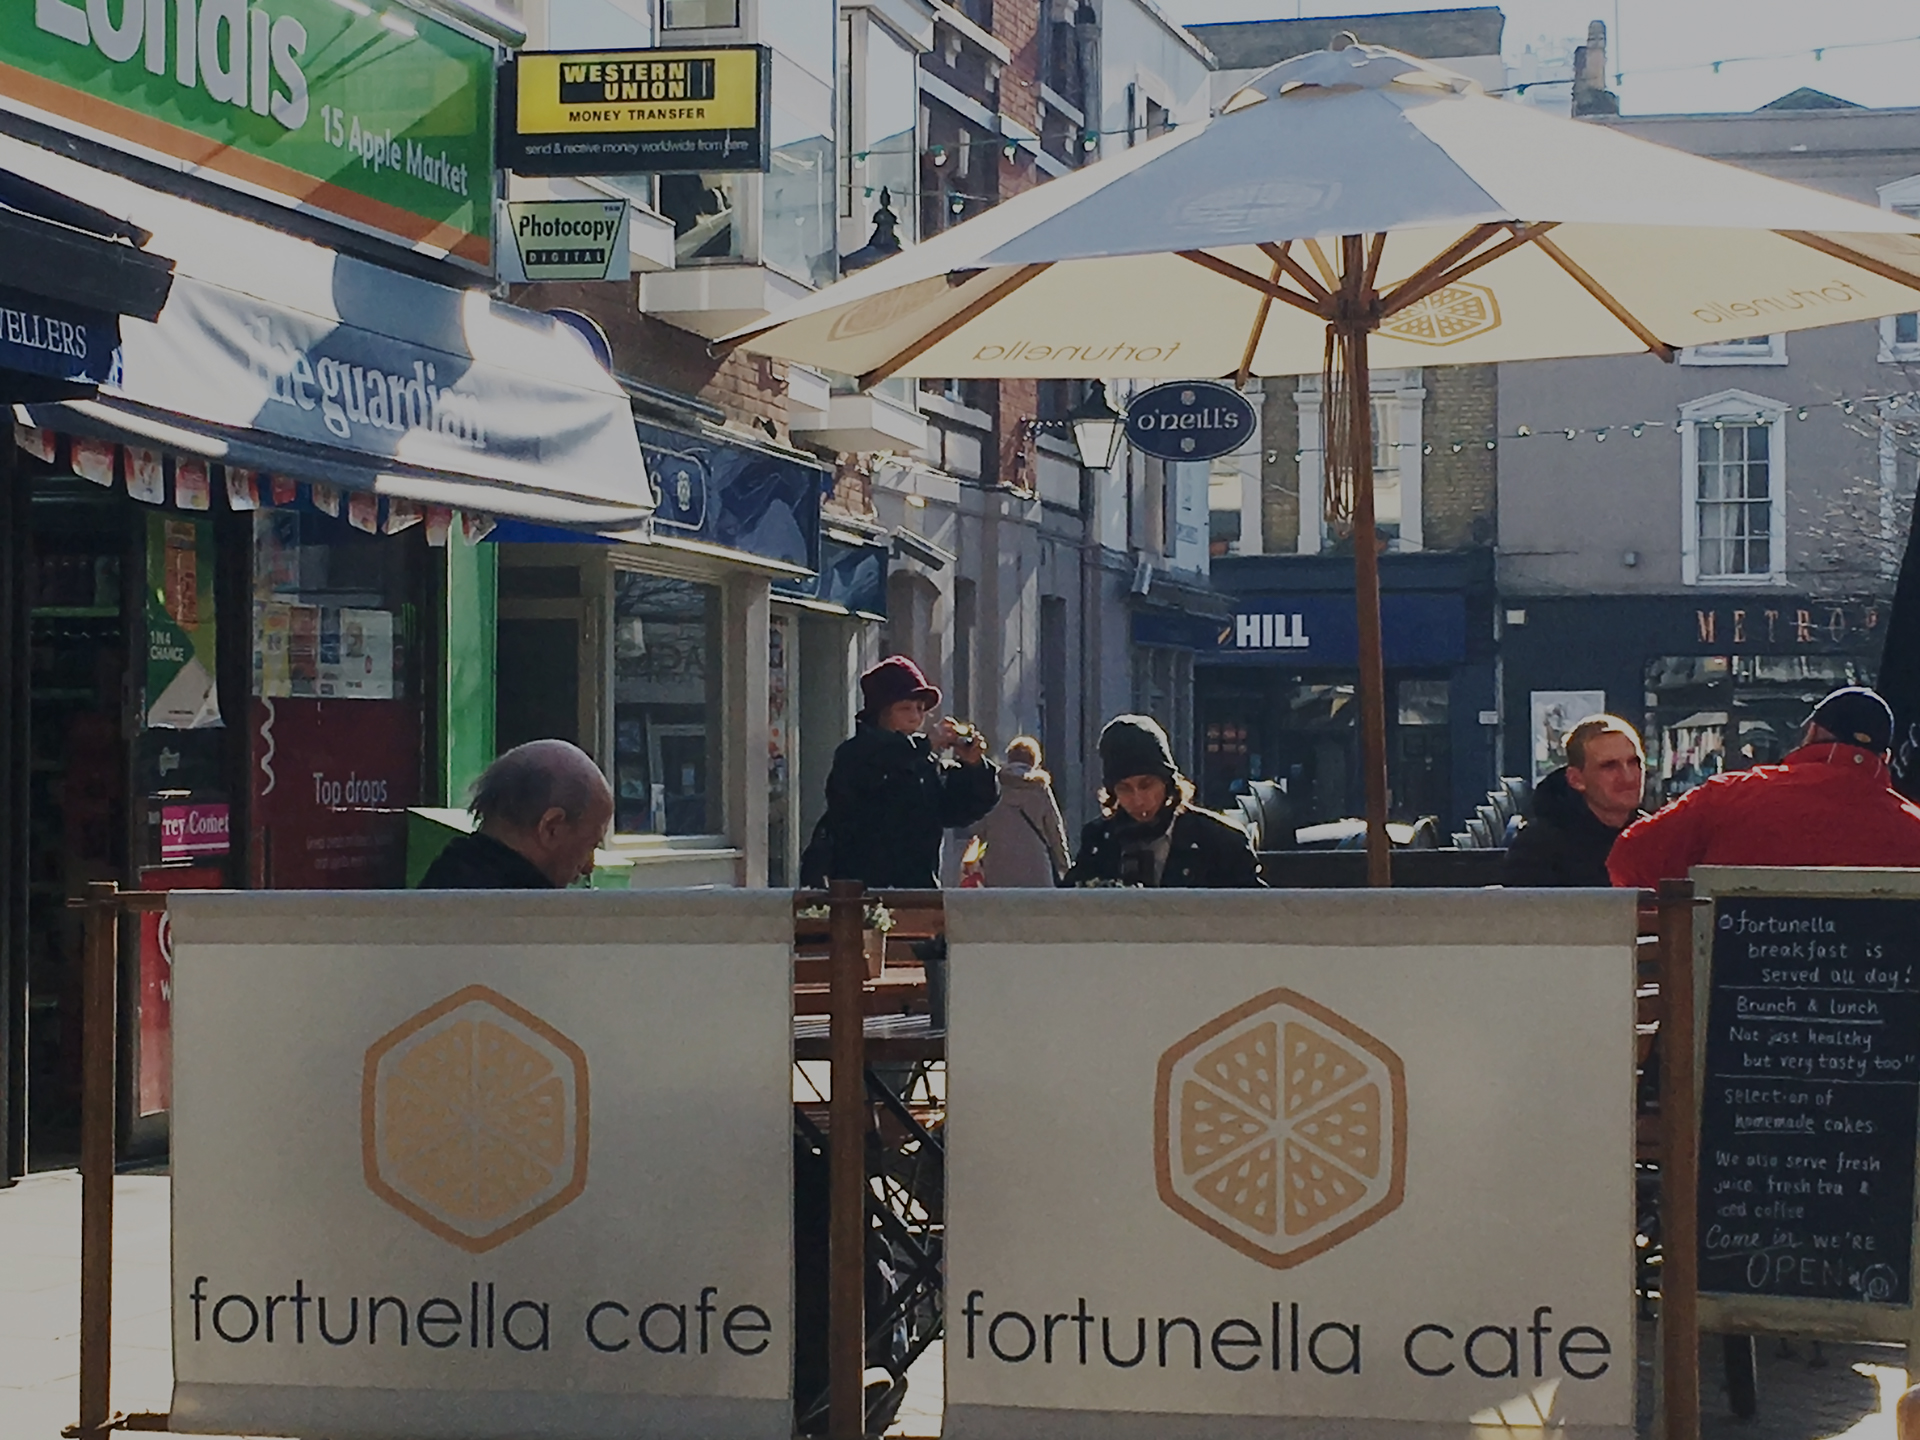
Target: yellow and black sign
x,y
622,112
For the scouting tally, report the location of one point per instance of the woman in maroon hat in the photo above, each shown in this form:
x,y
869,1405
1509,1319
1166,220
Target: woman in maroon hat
x,y
891,794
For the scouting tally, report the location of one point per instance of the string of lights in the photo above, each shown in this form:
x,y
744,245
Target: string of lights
x,y
1898,411
1816,52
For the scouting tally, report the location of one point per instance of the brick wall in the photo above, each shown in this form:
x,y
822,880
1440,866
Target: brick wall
x,y
1017,24
1279,470
750,388
1457,491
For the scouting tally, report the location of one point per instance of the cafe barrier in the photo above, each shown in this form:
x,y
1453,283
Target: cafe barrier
x,y
501,1164
1219,1162
1355,1162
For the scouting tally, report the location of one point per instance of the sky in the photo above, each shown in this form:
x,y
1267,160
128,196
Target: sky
x,y
1666,49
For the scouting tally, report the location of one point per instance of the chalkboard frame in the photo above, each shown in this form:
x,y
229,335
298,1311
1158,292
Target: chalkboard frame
x,y
1825,1319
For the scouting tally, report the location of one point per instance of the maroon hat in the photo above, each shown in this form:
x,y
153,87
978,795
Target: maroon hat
x,y
894,679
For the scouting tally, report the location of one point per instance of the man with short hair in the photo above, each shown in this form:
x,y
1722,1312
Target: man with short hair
x,y
1830,802
543,808
1580,809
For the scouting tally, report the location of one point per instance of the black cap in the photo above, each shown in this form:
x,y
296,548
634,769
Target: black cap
x,y
1855,715
1135,745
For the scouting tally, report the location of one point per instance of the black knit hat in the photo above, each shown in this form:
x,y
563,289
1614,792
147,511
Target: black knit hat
x,y
1135,745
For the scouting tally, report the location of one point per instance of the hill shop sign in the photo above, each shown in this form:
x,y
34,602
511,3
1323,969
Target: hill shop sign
x,y
1189,420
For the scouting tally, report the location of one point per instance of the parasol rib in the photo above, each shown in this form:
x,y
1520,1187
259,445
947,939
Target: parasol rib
x,y
1612,306
946,327
1259,329
1851,256
1281,255
1374,251
1460,248
1252,281
1323,265
1427,280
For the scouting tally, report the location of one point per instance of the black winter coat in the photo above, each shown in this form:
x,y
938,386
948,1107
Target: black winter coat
x,y
889,797
1563,844
1208,852
480,862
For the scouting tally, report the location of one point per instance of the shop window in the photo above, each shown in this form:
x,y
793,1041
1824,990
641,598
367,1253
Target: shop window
x,y
699,14
881,116
666,705
797,225
1735,490
1707,714
704,212
331,611
1398,398
1420,764
1752,350
598,24
1900,334
782,701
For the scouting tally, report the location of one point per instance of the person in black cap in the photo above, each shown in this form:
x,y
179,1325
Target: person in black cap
x,y
890,794
1150,832
1830,802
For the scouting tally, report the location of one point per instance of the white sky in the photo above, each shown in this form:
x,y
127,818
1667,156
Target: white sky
x,y
1667,47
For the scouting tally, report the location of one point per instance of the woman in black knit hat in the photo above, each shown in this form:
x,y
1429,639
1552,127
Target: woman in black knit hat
x,y
1150,832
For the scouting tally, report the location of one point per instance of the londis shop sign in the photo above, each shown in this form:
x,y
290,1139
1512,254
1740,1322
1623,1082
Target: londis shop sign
x,y
369,113
484,1165
1356,1165
620,112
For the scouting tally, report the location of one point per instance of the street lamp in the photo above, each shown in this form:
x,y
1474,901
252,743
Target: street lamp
x,y
1097,429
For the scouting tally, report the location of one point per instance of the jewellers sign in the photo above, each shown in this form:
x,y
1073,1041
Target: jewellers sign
x,y
1372,1179
373,114
542,1184
625,112
1190,420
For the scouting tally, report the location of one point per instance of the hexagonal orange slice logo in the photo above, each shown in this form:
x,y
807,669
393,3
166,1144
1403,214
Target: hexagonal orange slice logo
x,y
1449,315
1281,1129
473,1119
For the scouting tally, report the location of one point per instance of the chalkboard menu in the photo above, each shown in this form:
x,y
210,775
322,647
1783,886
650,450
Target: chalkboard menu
x,y
1810,1097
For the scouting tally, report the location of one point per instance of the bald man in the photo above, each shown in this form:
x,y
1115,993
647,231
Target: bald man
x,y
542,808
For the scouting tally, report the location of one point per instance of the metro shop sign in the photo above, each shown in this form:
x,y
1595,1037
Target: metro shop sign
x,y
399,142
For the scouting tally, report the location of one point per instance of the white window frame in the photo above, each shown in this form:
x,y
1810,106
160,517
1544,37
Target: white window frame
x,y
1403,385
1903,196
1747,408
1737,352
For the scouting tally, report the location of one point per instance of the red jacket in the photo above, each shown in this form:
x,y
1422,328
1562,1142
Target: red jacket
x,y
1825,804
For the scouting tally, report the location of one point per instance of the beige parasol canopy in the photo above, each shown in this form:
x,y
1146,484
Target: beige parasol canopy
x,y
1359,206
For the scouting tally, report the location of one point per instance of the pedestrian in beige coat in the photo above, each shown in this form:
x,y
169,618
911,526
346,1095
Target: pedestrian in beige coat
x,y
1025,838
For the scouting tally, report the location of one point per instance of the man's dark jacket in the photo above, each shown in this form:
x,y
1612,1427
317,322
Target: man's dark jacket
x,y
1208,852
1563,844
889,797
480,862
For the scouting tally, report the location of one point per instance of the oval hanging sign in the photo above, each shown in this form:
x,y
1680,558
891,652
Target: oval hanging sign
x,y
1189,420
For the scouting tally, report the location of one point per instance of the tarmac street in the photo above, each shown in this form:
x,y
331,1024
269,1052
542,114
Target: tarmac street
x,y
1845,1391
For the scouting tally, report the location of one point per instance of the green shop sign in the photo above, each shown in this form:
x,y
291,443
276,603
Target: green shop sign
x,y
360,109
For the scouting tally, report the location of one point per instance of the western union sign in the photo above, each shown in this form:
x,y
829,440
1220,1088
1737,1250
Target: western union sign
x,y
621,112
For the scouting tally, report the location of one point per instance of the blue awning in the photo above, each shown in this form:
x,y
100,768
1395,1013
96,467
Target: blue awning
x,y
279,355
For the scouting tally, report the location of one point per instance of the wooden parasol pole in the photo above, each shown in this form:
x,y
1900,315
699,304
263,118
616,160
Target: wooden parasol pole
x,y
847,1118
1357,307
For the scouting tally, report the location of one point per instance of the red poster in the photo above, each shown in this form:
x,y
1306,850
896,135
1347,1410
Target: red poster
x,y
155,1081
332,780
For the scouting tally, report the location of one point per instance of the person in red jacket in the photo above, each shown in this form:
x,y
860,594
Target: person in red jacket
x,y
1830,802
